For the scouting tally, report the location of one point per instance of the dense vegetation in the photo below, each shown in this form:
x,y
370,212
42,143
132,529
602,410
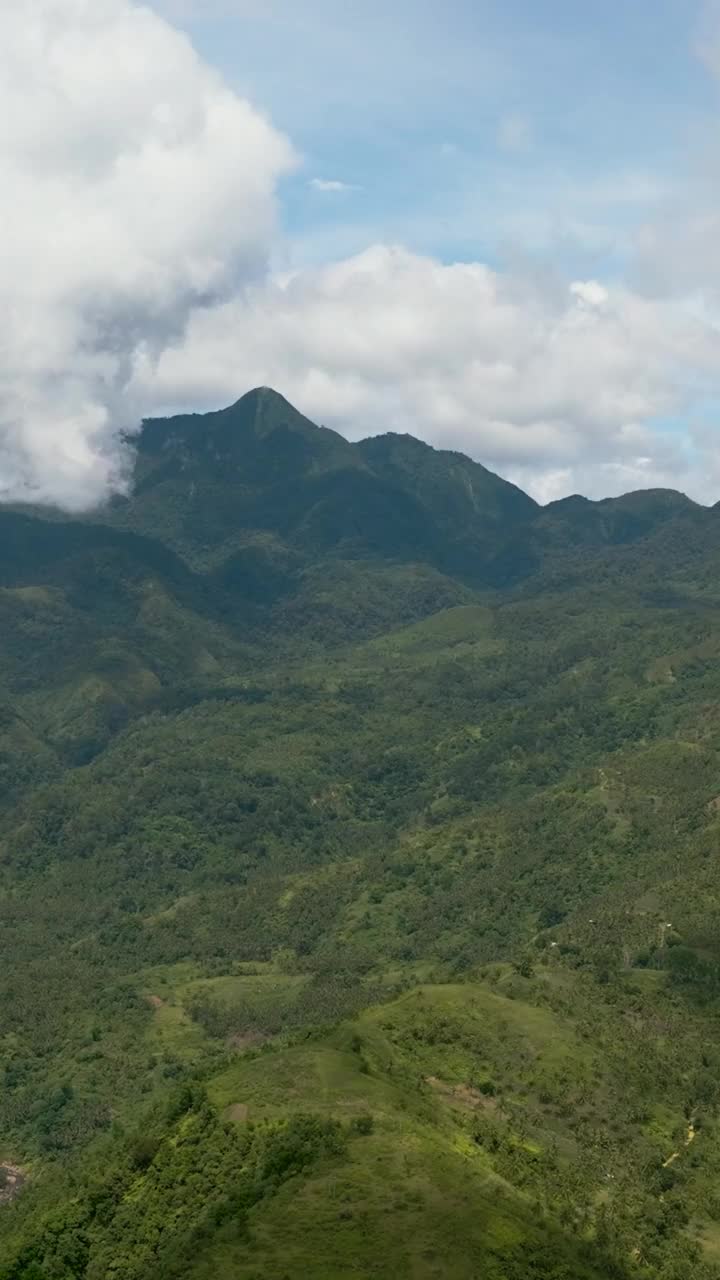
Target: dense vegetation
x,y
358,871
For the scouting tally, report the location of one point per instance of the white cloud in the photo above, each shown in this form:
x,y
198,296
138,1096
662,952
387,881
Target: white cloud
x,y
135,187
555,386
590,292
330,184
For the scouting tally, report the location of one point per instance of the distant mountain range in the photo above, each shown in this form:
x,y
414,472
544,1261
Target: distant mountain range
x,y
255,490
259,467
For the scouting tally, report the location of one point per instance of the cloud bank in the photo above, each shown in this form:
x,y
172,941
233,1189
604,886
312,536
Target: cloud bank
x,y
135,187
556,386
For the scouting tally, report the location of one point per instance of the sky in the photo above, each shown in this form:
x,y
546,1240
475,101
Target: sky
x,y
492,223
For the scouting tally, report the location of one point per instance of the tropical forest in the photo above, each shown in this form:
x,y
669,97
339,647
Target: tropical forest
x,y
359,888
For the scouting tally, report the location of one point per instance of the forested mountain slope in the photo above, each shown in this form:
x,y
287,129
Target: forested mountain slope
x,y
359,891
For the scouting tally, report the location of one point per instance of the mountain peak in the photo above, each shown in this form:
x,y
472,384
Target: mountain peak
x,y
256,416
262,407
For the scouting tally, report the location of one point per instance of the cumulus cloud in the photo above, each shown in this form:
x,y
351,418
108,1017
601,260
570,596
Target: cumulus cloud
x,y
136,186
590,292
557,386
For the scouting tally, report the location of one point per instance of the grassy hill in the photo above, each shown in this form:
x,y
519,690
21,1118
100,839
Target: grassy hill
x,y
358,871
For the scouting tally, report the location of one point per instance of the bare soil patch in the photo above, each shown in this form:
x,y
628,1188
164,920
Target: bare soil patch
x,y
462,1094
243,1040
238,1112
12,1180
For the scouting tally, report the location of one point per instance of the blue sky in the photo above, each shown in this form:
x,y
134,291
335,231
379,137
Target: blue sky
x,y
475,128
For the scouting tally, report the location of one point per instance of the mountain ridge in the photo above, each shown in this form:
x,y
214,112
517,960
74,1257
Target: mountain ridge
x,y
264,405
210,484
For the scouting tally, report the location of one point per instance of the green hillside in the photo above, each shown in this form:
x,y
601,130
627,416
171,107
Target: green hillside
x,y
358,871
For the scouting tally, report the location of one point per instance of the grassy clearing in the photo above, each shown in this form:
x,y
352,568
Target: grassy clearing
x,y
418,1196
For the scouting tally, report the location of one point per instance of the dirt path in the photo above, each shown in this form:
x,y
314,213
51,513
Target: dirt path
x,y
691,1134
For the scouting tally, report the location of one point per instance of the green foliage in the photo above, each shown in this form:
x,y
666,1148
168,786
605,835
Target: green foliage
x,y
341,779
170,1190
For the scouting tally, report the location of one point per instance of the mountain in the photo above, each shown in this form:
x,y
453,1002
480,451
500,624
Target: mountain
x,y
358,870
258,483
577,523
